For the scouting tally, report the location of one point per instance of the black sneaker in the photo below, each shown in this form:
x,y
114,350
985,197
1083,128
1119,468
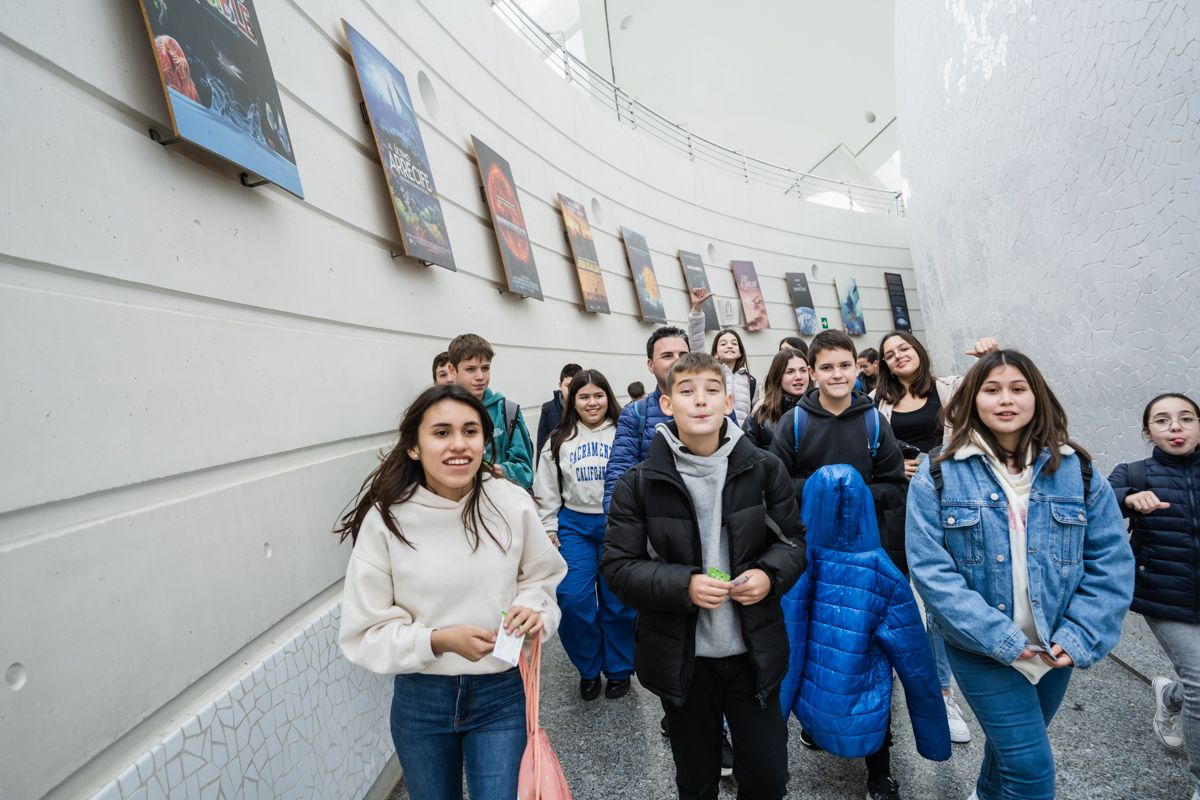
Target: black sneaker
x,y
664,726
726,756
616,689
807,740
589,688
883,788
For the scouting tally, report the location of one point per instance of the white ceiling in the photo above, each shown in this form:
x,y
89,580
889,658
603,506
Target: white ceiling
x,y
788,82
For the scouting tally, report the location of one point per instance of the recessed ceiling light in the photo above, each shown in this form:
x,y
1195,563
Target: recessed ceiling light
x,y
870,116
626,22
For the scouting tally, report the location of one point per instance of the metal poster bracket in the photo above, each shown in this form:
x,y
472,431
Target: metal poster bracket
x,y
156,136
245,178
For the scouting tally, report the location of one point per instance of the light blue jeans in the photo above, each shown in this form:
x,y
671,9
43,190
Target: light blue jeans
x,y
441,723
1018,763
1181,642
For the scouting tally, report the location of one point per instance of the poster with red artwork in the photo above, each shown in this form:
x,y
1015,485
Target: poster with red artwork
x,y
516,250
746,278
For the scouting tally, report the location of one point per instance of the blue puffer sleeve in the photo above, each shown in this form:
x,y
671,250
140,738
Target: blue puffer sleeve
x,y
795,616
624,452
902,638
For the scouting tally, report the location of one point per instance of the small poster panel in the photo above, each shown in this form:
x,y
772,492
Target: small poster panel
x,y
516,251
802,301
587,265
852,314
694,277
221,92
642,267
755,308
898,301
402,153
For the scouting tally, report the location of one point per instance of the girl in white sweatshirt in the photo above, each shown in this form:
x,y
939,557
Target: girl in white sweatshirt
x,y
597,629
441,548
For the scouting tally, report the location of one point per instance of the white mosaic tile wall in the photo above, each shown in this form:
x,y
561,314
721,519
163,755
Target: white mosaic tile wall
x,y
1053,156
304,723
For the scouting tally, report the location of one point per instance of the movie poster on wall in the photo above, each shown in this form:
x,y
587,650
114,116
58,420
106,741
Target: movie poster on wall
x,y
898,301
642,267
221,92
802,301
753,305
583,249
516,250
402,153
694,277
852,313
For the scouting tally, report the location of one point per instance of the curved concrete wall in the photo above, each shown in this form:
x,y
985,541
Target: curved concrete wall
x,y
1053,155
196,375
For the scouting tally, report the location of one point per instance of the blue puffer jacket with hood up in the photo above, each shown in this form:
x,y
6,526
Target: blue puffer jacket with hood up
x,y
851,620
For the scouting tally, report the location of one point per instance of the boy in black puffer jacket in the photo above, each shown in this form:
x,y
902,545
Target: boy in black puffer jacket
x,y
703,538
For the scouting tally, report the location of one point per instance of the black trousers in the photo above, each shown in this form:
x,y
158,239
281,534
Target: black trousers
x,y
726,687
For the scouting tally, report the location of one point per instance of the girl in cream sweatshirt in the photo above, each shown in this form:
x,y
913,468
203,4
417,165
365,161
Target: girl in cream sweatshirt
x,y
597,629
441,549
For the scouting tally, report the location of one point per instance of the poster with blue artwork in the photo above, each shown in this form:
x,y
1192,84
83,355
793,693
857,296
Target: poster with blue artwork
x,y
221,92
852,313
402,153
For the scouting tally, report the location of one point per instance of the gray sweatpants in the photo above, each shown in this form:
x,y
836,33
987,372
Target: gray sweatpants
x,y
1181,642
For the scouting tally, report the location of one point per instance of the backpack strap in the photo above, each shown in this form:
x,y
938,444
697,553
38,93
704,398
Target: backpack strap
x,y
558,472
511,410
935,469
872,438
753,387
799,427
1137,475
1085,471
639,411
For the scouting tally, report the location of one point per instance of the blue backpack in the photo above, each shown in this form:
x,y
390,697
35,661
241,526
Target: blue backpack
x,y
870,419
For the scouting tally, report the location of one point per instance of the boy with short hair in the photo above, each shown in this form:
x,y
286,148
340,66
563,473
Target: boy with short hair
x,y
868,370
443,373
703,539
510,451
552,409
834,424
636,391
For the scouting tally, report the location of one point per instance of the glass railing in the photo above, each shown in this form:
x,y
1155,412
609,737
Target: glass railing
x,y
629,111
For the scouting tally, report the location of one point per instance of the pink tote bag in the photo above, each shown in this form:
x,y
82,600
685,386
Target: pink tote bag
x,y
541,776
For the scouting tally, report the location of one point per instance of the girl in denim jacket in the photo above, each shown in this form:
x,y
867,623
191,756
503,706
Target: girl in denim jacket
x,y
1024,571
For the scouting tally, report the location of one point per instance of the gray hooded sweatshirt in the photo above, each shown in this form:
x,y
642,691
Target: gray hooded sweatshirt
x,y
718,632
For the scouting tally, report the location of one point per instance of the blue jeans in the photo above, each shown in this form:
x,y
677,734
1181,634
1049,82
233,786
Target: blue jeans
x,y
442,722
1014,713
596,628
938,645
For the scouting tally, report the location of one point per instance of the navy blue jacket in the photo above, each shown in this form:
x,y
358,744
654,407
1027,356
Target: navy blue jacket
x,y
1166,543
851,620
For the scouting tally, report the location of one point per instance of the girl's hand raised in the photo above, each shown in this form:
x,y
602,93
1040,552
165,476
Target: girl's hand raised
x,y
983,346
523,620
698,298
1144,502
469,641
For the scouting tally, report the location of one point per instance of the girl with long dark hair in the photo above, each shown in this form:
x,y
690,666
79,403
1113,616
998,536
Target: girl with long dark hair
x,y
786,382
1161,497
597,629
441,548
727,348
1019,552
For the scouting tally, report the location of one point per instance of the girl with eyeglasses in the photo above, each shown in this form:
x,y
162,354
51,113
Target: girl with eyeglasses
x,y
1161,497
909,396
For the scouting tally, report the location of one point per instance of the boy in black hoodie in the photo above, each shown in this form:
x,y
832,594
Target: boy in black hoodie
x,y
703,539
834,424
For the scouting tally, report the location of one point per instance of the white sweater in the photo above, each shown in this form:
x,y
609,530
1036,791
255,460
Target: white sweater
x,y
395,596
583,460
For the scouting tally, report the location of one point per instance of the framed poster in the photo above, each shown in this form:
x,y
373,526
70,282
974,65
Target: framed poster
x,y
644,280
402,153
694,277
755,308
516,251
806,312
898,301
221,92
852,314
583,249
727,312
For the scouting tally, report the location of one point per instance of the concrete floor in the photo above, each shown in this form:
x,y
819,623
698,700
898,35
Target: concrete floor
x,y
1102,736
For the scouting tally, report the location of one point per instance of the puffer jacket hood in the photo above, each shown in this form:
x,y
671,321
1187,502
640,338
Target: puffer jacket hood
x,y
839,511
851,620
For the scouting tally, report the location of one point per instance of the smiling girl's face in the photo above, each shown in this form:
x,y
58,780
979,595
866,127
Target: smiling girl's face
x,y
1173,426
1005,404
450,448
591,402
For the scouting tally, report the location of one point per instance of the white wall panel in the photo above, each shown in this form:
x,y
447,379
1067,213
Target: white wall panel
x,y
190,369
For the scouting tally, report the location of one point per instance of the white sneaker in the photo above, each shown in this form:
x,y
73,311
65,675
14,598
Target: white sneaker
x,y
959,732
975,796
1166,722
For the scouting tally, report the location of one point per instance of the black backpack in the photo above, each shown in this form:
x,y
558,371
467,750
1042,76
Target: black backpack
x,y
1085,471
